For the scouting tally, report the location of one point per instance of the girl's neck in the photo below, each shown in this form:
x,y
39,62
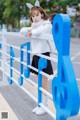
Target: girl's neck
x,y
38,22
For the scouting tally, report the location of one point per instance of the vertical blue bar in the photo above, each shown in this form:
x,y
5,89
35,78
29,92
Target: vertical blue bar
x,y
11,65
20,80
28,54
0,45
41,65
27,70
39,91
28,59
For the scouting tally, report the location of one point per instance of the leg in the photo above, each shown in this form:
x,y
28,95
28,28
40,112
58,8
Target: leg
x,y
35,109
45,85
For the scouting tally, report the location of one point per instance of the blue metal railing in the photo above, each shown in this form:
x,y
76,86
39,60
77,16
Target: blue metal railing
x,y
64,85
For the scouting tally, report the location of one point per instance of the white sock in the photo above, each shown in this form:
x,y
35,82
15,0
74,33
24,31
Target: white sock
x,y
44,99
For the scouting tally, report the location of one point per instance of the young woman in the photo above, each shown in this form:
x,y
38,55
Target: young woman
x,y
40,25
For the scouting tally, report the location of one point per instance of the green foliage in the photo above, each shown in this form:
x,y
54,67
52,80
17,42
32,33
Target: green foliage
x,y
12,10
1,10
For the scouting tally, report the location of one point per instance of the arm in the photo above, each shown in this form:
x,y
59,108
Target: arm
x,y
24,31
43,29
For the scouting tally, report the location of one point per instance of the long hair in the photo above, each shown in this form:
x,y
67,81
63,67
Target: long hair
x,y
51,16
39,9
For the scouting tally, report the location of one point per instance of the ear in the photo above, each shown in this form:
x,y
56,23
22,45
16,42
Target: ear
x,y
37,3
29,5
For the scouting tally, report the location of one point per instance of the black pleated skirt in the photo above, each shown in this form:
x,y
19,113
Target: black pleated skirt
x,y
34,63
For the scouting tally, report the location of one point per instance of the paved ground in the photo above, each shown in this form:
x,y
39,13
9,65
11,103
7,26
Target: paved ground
x,y
21,103
5,107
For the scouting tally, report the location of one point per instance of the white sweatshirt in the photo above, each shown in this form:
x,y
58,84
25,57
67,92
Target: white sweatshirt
x,y
42,27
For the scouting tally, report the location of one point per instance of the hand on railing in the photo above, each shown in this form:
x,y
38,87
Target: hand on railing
x,y
25,31
29,33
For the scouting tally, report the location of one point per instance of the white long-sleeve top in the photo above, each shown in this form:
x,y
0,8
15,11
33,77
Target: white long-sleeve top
x,y
42,27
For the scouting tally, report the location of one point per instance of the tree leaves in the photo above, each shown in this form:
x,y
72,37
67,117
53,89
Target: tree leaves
x,y
13,10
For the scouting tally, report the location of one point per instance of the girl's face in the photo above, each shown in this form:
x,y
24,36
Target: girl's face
x,y
36,17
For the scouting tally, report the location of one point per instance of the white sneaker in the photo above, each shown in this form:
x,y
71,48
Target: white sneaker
x,y
35,109
40,111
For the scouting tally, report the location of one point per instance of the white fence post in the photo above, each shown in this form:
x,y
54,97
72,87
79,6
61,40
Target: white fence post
x,y
4,58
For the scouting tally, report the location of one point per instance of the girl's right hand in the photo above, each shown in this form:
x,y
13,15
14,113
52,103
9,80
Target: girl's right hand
x,y
29,33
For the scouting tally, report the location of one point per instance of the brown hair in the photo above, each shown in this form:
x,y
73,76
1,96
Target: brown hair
x,y
51,17
41,10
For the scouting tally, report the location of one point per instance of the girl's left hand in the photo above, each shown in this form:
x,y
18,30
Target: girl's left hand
x,y
29,34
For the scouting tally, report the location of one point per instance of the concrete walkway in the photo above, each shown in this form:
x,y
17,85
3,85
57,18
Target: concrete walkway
x,y
21,103
5,110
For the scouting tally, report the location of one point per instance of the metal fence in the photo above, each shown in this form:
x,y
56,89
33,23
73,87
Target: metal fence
x,y
21,54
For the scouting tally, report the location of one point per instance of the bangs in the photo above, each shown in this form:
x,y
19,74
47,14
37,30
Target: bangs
x,y
33,12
